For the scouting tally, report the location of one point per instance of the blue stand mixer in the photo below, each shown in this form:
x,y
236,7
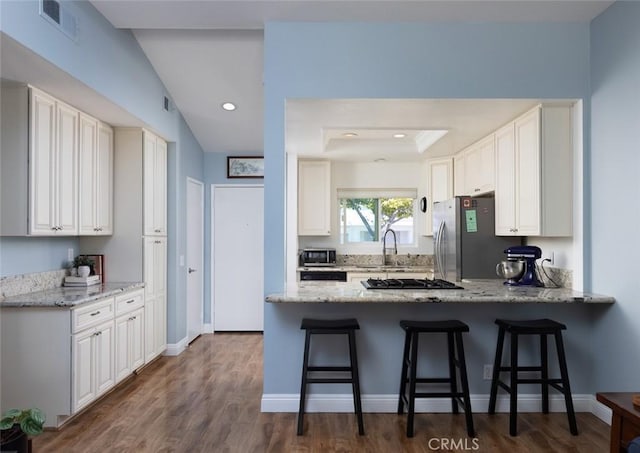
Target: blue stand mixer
x,y
527,254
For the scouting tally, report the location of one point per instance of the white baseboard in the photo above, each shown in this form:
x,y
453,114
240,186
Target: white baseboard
x,y
389,403
601,411
207,328
176,348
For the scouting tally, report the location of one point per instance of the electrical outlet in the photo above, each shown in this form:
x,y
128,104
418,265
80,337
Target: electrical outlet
x,y
487,372
550,257
70,255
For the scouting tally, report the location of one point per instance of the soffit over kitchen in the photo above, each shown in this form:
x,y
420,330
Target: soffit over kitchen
x,y
207,52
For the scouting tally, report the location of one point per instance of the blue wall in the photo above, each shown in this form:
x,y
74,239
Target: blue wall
x,y
355,60
20,255
111,62
615,187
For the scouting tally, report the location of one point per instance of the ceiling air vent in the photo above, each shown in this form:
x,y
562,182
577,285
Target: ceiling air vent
x,y
59,17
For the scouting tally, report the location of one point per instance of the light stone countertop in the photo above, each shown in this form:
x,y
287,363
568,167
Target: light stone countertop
x,y
475,291
69,297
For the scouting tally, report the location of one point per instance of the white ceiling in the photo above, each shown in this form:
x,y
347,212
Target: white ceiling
x,y
210,51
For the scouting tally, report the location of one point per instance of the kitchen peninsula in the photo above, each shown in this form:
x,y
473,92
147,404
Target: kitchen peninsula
x,y
380,338
474,291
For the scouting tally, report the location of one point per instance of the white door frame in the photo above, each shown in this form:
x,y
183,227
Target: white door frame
x,y
201,185
212,236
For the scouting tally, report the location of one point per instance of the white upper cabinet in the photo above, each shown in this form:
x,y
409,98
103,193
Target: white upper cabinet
x,y
155,185
439,187
475,167
314,198
57,167
458,174
53,169
96,177
534,174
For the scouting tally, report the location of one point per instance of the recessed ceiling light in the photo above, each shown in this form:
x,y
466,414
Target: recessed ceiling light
x,y
380,159
228,106
399,135
349,134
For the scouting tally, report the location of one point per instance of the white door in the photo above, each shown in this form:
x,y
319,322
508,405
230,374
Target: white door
x,y
195,257
238,251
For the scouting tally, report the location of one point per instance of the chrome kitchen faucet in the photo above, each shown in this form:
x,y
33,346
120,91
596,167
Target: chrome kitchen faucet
x,y
384,245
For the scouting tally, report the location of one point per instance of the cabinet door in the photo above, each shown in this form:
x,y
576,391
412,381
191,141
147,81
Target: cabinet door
x,y
487,151
83,369
479,160
160,265
527,136
87,174
160,188
458,175
155,185
155,321
149,174
472,165
66,169
314,198
440,187
155,266
42,163
104,358
161,324
104,181
149,328
505,201
136,323
122,349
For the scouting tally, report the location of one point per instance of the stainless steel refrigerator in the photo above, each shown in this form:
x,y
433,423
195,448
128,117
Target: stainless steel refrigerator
x,y
465,244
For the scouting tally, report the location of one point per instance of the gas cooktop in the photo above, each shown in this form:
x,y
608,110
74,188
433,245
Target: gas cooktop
x,y
408,283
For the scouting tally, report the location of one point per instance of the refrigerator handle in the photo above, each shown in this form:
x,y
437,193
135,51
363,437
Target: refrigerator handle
x,y
438,247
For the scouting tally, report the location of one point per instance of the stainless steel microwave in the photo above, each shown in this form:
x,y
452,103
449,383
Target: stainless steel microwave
x,y
318,257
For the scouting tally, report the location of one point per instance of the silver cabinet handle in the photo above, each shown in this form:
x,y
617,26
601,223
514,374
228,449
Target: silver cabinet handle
x,y
131,301
191,270
96,313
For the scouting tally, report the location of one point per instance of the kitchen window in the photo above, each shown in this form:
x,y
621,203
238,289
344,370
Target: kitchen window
x,y
366,215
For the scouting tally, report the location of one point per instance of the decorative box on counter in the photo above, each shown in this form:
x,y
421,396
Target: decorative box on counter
x,y
82,281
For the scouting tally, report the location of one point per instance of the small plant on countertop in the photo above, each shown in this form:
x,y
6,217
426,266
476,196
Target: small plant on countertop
x,y
82,260
16,422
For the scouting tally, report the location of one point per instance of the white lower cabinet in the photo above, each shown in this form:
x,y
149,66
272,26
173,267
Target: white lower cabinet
x,y
93,364
61,360
129,343
155,337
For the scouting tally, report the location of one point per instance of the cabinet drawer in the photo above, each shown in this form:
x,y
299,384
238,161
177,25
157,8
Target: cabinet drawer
x,y
92,315
129,301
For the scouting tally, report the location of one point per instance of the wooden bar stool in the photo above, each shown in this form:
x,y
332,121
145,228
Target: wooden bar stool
x,y
454,330
331,327
541,327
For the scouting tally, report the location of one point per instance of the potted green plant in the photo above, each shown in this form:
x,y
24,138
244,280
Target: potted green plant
x,y
83,261
15,427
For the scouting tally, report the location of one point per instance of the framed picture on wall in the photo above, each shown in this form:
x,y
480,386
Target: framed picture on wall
x,y
245,167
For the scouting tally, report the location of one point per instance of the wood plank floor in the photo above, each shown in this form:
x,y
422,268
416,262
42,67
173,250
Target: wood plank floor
x,y
208,400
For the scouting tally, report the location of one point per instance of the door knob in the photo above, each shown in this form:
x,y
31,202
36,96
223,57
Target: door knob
x,y
192,270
